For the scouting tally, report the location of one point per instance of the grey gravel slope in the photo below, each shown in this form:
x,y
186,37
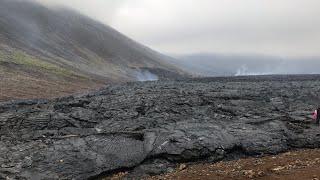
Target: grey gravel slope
x,y
152,125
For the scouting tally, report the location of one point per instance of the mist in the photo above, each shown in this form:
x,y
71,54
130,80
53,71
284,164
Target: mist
x,y
145,75
242,65
245,37
283,28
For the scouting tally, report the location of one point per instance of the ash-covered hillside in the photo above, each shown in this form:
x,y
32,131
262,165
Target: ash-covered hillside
x,y
47,51
146,128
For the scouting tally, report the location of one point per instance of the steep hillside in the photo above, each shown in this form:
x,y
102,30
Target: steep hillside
x,y
46,52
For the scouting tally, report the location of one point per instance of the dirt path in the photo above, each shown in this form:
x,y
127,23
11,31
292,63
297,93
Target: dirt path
x,y
297,165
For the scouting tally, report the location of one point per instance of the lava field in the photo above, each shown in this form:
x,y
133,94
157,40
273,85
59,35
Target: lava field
x,y
147,128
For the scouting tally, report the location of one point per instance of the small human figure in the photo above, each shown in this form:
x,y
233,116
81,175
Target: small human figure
x,y
316,116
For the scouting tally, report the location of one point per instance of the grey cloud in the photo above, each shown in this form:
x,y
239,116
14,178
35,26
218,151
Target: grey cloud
x,y
102,10
275,27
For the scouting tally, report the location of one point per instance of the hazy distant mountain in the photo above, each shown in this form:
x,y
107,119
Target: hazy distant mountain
x,y
230,65
47,52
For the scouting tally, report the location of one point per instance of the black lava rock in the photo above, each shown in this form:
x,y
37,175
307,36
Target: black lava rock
x,y
132,125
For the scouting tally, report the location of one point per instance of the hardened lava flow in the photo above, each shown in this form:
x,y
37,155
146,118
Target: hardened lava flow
x,y
147,127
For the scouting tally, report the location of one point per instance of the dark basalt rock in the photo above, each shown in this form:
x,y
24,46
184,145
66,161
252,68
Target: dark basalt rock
x,y
150,126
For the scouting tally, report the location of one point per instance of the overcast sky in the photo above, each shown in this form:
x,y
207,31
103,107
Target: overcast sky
x,y
270,27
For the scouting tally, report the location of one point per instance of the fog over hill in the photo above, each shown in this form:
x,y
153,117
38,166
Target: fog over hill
x,y
48,51
59,50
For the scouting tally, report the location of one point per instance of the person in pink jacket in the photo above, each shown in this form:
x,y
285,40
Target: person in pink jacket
x,y
316,116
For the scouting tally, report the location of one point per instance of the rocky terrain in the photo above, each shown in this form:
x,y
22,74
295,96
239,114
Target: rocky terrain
x,y
147,128
301,165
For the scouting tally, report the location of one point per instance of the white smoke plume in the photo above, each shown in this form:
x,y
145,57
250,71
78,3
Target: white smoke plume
x,y
145,75
244,71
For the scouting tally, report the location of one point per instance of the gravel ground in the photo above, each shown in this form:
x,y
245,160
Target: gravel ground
x,y
294,165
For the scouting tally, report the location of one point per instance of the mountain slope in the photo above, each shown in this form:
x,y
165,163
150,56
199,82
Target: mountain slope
x,y
60,51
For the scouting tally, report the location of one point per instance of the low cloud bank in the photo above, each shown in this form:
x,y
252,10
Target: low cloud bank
x,y
241,65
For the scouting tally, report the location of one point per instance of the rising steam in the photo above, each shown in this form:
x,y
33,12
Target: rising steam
x,y
244,71
145,75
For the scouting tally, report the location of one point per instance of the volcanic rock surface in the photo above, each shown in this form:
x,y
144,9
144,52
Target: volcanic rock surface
x,y
148,127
